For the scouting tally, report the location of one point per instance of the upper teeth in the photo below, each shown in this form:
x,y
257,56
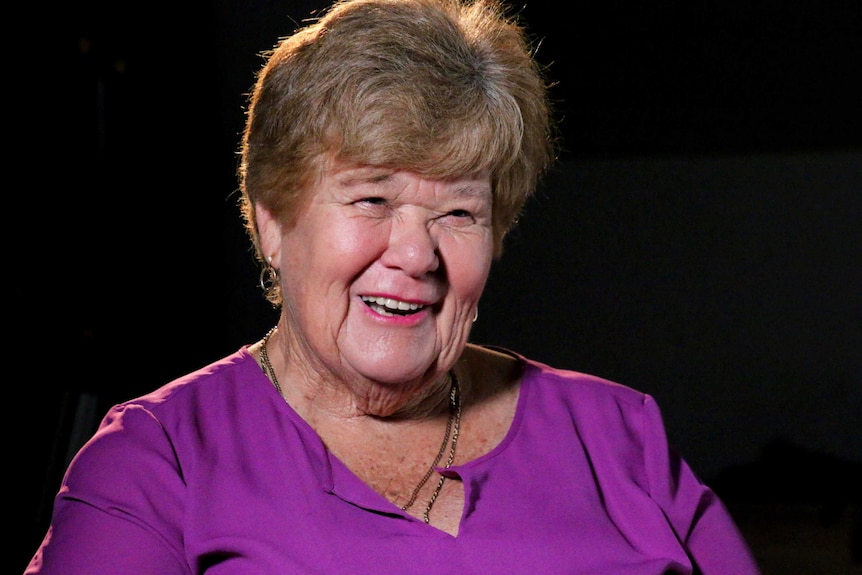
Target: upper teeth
x,y
391,303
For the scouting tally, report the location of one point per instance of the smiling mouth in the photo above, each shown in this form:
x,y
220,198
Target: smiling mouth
x,y
391,307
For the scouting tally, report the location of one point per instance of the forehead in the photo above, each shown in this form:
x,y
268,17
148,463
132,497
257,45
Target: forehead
x,y
472,185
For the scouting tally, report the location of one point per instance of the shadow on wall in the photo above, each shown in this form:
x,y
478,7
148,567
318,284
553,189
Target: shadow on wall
x,y
800,510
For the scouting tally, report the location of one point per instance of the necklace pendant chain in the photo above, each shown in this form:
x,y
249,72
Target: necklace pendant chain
x,y
453,426
267,366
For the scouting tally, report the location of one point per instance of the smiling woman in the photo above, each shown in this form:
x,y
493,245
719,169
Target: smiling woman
x,y
389,148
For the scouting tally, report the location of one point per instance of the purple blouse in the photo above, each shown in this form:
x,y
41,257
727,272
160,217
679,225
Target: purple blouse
x,y
215,473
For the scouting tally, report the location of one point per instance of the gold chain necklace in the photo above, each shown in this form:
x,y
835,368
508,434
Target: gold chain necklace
x,y
264,356
453,427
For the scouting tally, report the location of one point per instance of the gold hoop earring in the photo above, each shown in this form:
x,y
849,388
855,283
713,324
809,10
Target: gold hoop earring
x,y
476,315
268,276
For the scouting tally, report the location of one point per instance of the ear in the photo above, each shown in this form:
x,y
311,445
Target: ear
x,y
269,233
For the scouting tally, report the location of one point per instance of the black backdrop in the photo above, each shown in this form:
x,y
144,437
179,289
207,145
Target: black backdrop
x,y
700,238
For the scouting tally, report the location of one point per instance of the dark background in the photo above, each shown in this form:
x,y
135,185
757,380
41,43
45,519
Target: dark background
x,y
700,239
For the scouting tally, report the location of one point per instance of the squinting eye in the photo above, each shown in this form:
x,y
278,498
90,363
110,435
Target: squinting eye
x,y
374,201
460,213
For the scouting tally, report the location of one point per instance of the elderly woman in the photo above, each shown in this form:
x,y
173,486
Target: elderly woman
x,y
389,147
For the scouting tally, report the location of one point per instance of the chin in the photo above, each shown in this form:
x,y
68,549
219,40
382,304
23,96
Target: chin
x,y
393,369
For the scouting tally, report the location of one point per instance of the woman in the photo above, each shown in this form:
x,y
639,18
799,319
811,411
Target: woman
x,y
388,149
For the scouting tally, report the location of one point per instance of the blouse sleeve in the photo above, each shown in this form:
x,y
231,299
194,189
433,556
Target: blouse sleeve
x,y
120,505
699,518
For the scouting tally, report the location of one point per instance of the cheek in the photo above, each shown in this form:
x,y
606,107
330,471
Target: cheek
x,y
354,246
481,277
342,251
346,240
327,238
469,272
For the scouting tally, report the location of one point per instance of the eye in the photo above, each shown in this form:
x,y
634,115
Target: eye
x,y
458,218
460,214
372,201
372,206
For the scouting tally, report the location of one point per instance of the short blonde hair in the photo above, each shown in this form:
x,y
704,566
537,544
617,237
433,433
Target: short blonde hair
x,y
443,88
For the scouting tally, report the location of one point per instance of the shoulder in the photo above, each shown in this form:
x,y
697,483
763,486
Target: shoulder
x,y
583,386
600,409
557,380
619,426
591,403
210,385
187,405
179,418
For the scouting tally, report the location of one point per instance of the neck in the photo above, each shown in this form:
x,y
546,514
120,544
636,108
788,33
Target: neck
x,y
430,401
310,390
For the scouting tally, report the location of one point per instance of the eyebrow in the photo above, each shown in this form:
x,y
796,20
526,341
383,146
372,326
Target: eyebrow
x,y
359,175
474,190
363,174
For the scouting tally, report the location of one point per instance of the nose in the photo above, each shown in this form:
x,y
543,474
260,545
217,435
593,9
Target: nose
x,y
412,247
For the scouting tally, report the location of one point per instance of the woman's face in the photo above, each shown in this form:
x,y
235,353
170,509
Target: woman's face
x,y
382,272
